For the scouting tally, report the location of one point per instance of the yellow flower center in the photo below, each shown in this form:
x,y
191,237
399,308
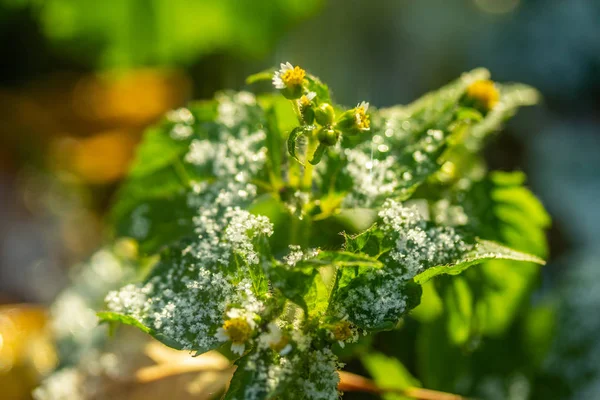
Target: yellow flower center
x,y
363,122
304,101
238,330
341,331
484,92
293,77
281,344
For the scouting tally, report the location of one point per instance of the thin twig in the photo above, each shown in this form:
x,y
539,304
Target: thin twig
x,y
350,382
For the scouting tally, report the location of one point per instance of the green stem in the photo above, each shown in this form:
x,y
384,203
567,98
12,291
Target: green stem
x,y
313,143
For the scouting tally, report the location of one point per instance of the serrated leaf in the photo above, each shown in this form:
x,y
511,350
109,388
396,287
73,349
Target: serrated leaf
x,y
309,282
294,284
112,317
376,301
484,251
292,139
184,298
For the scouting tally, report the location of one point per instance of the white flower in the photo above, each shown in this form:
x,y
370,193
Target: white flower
x,y
238,348
222,335
364,105
237,329
277,80
288,76
276,340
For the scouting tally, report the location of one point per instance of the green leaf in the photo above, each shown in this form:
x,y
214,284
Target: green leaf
x,y
512,97
321,89
310,282
250,376
318,154
112,317
292,139
389,373
294,284
274,145
458,301
158,202
484,250
341,259
407,145
183,300
517,220
376,300
265,75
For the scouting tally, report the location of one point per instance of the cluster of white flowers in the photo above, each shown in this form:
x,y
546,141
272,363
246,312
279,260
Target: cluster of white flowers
x,y
419,244
449,214
183,121
376,170
85,381
234,108
66,384
382,298
185,308
309,376
189,300
321,379
239,147
74,321
372,178
296,255
231,154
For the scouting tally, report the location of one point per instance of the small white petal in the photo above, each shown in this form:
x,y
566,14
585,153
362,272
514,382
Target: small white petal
x,y
342,344
238,348
364,105
286,350
221,335
311,95
277,81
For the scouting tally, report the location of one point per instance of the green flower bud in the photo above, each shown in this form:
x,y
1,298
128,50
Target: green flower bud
x,y
306,107
328,136
325,114
308,115
292,92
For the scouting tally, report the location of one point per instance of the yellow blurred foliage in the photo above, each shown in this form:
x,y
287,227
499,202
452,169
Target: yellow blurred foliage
x,y
26,350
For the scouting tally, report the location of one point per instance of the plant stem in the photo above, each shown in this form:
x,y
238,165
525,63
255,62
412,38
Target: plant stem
x,y
350,382
312,145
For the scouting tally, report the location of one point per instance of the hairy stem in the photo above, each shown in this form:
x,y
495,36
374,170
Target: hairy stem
x,y
312,145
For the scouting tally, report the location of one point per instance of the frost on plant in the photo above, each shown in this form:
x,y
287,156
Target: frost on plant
x,y
279,240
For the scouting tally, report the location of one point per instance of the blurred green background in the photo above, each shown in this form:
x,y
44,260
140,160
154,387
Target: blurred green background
x,y
81,79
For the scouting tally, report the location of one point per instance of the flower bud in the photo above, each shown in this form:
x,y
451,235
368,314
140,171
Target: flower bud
x,y
306,107
324,114
483,95
328,136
